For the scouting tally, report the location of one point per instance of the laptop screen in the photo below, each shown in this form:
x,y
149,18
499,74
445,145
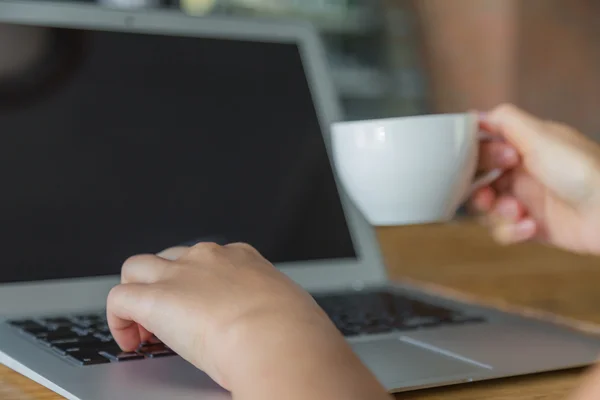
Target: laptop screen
x,y
114,144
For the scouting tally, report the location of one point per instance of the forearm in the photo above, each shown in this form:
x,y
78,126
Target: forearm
x,y
590,389
470,49
313,362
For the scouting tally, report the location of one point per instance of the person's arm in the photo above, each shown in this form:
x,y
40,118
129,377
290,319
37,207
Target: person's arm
x,y
230,313
590,389
469,49
298,363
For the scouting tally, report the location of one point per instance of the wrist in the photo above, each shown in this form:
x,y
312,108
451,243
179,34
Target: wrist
x,y
267,337
303,356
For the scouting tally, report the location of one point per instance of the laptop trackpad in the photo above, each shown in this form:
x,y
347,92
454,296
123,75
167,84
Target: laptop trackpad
x,y
398,363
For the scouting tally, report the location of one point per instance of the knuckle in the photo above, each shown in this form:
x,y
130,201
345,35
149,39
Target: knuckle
x,y
243,247
205,250
505,109
127,269
131,265
560,126
139,259
115,295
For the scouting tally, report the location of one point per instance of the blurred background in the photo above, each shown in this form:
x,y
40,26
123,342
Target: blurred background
x,y
371,45
406,57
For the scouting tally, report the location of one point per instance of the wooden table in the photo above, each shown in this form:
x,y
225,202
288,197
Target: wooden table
x,y
461,256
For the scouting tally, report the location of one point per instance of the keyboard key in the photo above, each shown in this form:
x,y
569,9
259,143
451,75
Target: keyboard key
x,y
150,347
98,345
87,357
56,322
99,326
26,323
375,328
76,340
155,350
152,340
64,348
34,330
82,331
104,337
116,354
161,353
60,333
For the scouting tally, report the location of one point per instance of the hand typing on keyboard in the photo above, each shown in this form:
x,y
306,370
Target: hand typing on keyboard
x,y
228,311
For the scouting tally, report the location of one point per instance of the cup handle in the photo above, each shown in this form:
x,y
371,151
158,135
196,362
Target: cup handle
x,y
483,181
487,178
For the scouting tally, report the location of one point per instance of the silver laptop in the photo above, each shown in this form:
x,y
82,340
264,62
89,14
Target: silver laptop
x,y
126,133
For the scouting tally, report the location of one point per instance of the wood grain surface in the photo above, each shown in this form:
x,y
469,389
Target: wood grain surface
x,y
461,257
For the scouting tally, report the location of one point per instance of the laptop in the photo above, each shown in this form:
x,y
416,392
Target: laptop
x,y
130,132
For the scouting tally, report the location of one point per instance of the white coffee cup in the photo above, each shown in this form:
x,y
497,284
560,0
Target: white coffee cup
x,y
410,170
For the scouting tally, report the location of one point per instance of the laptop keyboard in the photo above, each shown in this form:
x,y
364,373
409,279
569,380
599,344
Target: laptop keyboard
x,y
86,339
385,312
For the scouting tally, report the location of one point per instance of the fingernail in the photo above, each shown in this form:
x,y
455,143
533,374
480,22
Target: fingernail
x,y
507,233
509,154
502,233
525,227
507,210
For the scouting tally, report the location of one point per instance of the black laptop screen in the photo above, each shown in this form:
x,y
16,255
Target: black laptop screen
x,y
114,144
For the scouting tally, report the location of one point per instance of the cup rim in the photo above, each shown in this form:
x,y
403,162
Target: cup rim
x,y
399,119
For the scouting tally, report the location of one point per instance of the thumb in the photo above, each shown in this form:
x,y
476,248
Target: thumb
x,y
559,157
519,128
